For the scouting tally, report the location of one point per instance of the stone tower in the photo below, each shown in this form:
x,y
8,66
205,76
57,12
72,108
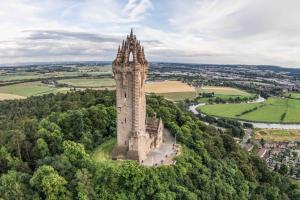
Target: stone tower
x,y
130,72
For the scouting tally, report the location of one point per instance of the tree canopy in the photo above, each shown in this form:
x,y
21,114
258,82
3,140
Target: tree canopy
x,y
47,142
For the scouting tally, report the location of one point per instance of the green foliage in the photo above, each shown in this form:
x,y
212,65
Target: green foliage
x,y
50,156
76,154
14,185
49,184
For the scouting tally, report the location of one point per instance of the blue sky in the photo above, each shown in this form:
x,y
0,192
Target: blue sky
x,y
200,31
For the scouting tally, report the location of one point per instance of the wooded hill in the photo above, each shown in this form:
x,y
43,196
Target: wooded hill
x,y
47,142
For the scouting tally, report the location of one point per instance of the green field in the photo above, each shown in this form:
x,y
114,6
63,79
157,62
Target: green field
x,y
223,91
293,95
177,96
30,89
19,76
104,150
34,75
37,88
269,111
89,82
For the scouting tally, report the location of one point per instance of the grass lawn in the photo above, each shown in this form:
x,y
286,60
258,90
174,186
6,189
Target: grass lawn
x,y
30,89
271,111
277,135
104,150
89,82
223,91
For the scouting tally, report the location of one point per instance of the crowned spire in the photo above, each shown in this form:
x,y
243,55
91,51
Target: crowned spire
x,y
131,46
131,33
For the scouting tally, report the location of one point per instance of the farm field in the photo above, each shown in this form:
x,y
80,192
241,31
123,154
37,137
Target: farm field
x,y
168,86
18,76
34,75
177,96
277,135
173,90
30,89
89,82
225,110
223,91
4,96
293,95
274,110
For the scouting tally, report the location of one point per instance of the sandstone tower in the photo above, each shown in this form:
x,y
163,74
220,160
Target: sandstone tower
x,y
134,138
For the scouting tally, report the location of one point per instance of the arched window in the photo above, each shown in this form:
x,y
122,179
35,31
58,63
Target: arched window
x,y
130,57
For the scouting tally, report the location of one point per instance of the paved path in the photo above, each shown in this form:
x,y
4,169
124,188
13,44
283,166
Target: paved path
x,y
158,156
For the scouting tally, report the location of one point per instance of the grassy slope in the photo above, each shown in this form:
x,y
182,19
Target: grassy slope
x,y
103,151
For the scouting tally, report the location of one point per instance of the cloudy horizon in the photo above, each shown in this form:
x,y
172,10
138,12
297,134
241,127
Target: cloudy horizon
x,y
204,31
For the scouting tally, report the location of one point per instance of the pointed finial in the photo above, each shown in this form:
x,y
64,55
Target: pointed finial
x,y
131,32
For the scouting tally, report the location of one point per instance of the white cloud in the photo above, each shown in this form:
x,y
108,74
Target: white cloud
x,y
136,9
205,31
246,31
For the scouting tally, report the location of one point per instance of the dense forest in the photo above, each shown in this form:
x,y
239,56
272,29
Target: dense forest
x,y
47,141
